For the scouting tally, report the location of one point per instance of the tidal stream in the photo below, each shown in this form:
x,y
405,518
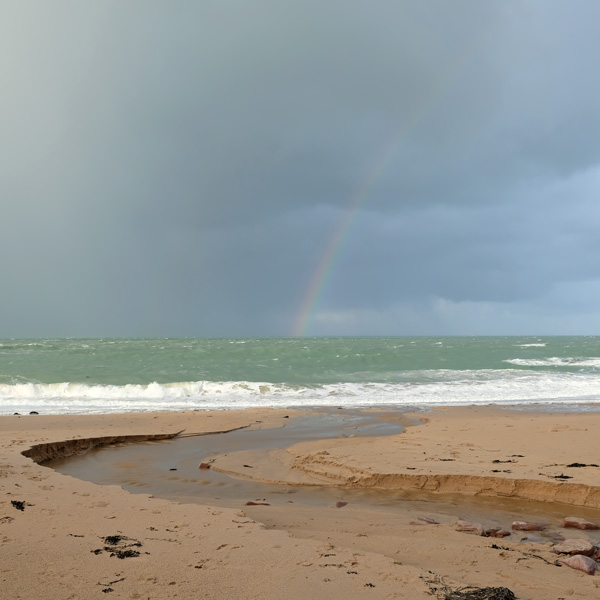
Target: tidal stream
x,y
169,469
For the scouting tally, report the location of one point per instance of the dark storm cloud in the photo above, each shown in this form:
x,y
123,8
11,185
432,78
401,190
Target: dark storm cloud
x,y
179,168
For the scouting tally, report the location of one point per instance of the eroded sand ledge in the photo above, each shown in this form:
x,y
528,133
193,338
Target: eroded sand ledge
x,y
40,453
54,547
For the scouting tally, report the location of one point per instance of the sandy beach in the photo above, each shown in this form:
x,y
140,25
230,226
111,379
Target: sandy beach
x,y
61,537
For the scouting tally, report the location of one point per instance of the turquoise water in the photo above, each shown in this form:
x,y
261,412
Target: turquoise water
x,y
75,375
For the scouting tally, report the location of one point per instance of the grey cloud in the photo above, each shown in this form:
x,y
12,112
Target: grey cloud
x,y
180,168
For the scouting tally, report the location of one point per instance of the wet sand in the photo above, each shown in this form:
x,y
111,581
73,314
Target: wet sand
x,y
56,548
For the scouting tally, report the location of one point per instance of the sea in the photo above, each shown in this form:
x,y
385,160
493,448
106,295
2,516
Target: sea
x,y
99,376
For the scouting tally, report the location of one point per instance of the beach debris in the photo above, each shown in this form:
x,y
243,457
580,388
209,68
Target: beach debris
x,y
442,591
128,553
204,465
18,504
526,526
428,520
497,462
476,593
34,412
561,476
107,585
248,466
581,563
116,547
113,540
573,546
524,555
469,527
341,504
576,464
252,503
578,523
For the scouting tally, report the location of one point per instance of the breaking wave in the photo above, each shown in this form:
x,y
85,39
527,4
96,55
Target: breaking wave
x,y
442,387
594,363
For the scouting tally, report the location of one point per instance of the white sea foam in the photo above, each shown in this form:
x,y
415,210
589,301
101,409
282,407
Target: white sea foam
x,y
540,345
508,386
554,361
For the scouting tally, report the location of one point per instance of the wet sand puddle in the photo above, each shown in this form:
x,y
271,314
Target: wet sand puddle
x,y
169,469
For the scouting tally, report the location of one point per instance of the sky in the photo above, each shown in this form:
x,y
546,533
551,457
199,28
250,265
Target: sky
x,y
301,167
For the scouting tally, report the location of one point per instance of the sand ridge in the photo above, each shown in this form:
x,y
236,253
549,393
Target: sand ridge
x,y
467,450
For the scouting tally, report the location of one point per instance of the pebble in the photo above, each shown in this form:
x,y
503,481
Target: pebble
x,y
525,526
578,523
574,547
581,563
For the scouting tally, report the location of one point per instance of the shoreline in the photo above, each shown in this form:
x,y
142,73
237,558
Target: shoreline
x,y
48,549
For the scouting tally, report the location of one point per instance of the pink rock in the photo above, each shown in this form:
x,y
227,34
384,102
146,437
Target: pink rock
x,y
524,526
574,547
596,555
581,563
578,523
468,527
340,504
496,532
429,520
204,466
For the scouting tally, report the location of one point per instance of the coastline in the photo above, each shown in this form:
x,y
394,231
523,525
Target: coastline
x,y
56,548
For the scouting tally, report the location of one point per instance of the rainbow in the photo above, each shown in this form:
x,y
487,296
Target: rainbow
x,y
318,281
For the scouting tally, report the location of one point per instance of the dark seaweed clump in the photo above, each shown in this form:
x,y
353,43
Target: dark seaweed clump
x,y
125,553
116,547
475,593
113,540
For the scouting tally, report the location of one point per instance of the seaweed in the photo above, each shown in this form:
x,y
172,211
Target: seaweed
x,y
477,593
440,590
116,548
125,553
113,540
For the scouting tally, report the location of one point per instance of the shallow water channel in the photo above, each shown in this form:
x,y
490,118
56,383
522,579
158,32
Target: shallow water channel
x,y
169,469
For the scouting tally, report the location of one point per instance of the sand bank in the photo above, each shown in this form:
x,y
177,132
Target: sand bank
x,y
57,546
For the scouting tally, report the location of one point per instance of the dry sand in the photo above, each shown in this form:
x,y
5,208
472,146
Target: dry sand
x,y
56,548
